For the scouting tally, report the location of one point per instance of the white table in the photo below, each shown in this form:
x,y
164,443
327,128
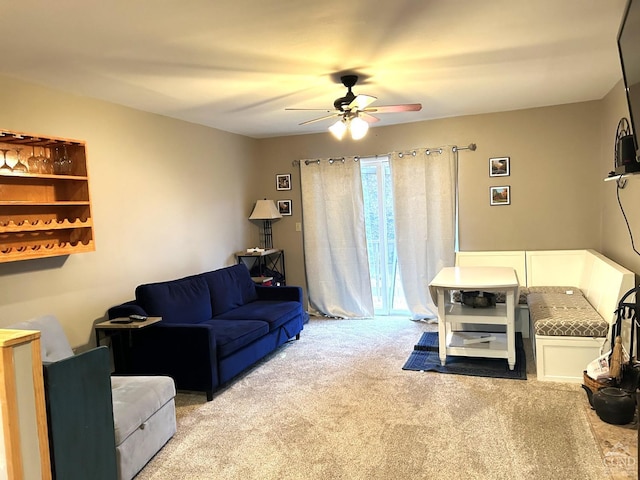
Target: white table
x,y
470,344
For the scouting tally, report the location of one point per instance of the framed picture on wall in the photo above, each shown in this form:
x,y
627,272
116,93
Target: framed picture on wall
x,y
500,195
284,207
499,167
283,181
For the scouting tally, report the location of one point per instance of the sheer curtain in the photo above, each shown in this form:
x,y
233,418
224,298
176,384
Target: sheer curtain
x,y
335,244
424,195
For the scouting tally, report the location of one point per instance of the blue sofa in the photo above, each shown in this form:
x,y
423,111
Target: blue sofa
x,y
214,326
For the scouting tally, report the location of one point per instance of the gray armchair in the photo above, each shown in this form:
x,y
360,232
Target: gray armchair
x,y
100,427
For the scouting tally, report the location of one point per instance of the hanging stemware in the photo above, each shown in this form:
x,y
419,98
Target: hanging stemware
x,y
45,161
5,166
66,162
19,166
33,162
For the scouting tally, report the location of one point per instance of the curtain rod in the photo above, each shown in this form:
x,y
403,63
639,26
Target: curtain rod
x,y
428,151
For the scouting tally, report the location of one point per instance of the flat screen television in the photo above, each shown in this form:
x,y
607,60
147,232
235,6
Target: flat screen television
x,y
629,50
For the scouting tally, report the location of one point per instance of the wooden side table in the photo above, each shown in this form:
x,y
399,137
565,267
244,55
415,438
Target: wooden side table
x,y
113,327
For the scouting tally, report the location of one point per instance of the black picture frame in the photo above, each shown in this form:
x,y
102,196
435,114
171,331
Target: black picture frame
x,y
283,181
284,207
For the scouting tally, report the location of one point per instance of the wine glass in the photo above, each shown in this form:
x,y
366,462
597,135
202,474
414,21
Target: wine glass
x,y
45,162
33,162
66,161
5,165
19,166
60,161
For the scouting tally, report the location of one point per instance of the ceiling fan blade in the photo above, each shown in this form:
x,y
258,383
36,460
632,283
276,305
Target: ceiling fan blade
x,y
368,118
321,118
361,102
407,107
311,109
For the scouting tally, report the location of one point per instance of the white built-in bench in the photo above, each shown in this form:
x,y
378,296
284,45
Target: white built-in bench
x,y
570,323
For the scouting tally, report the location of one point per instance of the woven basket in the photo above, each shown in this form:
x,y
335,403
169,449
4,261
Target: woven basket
x,y
595,385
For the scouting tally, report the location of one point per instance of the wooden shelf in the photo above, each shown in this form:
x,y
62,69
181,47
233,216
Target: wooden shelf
x,y
80,178
44,250
29,203
44,212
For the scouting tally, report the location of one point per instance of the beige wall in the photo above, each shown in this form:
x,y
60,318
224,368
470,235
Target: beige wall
x,y
555,180
615,239
168,198
172,198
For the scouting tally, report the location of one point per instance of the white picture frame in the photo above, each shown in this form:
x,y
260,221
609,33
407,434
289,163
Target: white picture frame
x,y
500,195
499,167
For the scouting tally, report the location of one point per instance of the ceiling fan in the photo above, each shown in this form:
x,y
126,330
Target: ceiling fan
x,y
355,112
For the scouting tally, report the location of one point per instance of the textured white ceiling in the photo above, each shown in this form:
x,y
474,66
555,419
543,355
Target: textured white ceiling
x,y
236,65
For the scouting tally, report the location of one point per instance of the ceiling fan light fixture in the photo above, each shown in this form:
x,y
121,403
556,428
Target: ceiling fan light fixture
x,y
338,129
358,127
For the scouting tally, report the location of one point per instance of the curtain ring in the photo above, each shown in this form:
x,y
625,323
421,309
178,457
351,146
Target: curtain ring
x,y
400,155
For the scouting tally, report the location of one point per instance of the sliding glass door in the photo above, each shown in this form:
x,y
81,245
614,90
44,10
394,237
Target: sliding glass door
x,y
386,288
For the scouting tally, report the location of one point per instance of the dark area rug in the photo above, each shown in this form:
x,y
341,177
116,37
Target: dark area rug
x,y
425,358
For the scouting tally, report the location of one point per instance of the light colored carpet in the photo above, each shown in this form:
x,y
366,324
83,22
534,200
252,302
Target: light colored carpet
x,y
337,405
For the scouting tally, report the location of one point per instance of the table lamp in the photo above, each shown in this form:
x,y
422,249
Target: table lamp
x,y
266,211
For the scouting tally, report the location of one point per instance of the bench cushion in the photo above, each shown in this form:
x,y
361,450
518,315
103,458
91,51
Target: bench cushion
x,y
559,314
552,289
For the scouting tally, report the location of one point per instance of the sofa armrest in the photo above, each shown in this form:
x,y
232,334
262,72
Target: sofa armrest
x,y
185,352
80,416
293,294
126,309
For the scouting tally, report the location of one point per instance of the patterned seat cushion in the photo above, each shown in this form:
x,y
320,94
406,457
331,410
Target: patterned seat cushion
x,y
501,297
560,314
550,289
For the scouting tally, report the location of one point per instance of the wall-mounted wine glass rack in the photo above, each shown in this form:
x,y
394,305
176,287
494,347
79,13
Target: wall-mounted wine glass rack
x,y
45,211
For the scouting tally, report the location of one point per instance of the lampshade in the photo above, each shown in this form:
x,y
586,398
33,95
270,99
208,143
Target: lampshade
x,y
338,129
354,124
265,210
359,128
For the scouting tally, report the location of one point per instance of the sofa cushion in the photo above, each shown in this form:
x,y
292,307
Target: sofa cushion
x,y
230,287
136,399
275,313
54,345
232,335
178,301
